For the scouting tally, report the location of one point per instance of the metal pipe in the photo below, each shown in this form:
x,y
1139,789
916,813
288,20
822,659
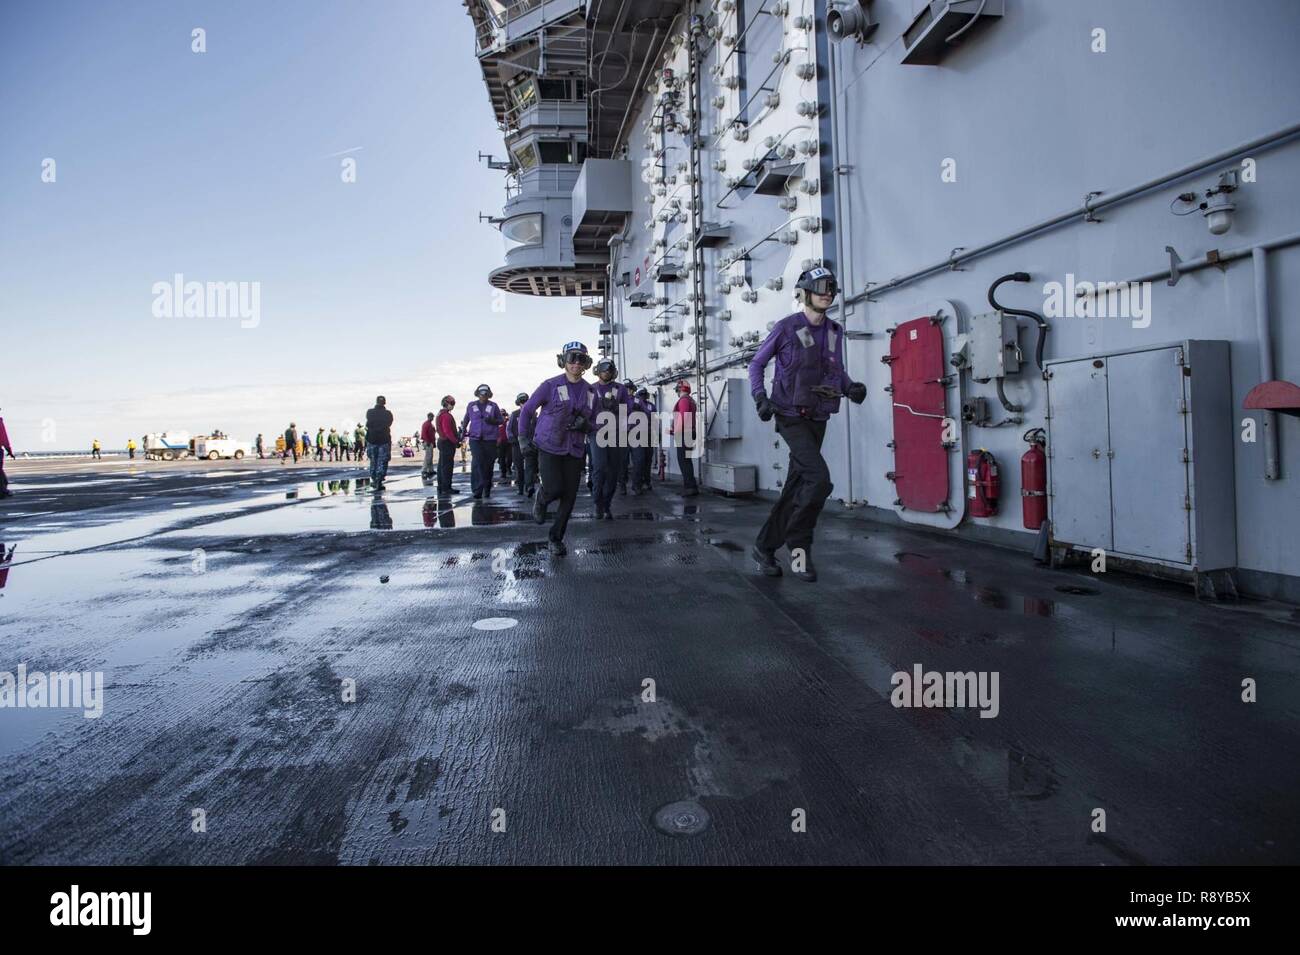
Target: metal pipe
x,y
1213,257
1089,206
837,205
840,261
1268,419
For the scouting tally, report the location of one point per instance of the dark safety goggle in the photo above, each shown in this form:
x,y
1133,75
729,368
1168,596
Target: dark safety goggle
x,y
577,356
824,286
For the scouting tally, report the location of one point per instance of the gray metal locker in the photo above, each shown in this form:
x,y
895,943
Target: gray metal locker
x,y
1140,458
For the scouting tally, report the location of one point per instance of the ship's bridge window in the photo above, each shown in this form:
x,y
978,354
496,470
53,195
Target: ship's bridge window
x,y
562,151
522,230
561,89
525,156
524,93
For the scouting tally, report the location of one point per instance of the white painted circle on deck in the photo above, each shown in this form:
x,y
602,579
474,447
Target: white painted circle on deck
x,y
495,623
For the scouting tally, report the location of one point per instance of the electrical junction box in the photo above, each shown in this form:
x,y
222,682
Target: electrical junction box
x,y
992,346
1140,455
727,399
975,411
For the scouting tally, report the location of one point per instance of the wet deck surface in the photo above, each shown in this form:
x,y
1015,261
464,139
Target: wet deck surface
x,y
227,604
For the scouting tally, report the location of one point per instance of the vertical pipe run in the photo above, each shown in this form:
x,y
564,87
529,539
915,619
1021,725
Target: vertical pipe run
x,y
828,190
1268,419
698,314
832,113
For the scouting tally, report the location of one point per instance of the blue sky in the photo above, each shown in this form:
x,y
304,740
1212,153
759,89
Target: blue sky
x,y
222,166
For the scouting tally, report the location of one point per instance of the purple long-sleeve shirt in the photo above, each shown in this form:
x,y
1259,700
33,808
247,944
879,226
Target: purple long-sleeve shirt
x,y
482,421
788,344
559,400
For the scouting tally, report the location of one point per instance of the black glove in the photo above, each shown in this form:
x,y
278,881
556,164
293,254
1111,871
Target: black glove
x,y
857,392
579,423
764,405
609,402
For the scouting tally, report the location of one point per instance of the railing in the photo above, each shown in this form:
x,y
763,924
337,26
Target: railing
x,y
547,112
493,21
548,178
486,29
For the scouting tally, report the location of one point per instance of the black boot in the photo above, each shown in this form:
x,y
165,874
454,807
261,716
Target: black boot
x,y
557,548
766,561
539,509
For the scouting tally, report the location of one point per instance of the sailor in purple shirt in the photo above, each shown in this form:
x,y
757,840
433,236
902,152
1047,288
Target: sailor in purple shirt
x,y
625,456
607,442
481,425
643,410
567,406
808,379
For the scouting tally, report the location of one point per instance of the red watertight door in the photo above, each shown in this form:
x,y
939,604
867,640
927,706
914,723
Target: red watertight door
x,y
916,365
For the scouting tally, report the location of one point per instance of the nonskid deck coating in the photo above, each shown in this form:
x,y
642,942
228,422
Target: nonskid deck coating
x,y
772,696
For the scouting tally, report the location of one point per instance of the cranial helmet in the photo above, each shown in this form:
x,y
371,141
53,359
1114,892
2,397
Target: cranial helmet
x,y
607,365
483,391
820,281
571,349
683,387
448,401
521,397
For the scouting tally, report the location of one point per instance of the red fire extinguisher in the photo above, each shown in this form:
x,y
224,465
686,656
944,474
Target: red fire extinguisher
x,y
982,483
1033,479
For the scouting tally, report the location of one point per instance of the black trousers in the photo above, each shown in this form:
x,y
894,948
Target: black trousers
x,y
807,485
505,452
446,458
686,464
527,467
561,476
525,464
485,455
606,472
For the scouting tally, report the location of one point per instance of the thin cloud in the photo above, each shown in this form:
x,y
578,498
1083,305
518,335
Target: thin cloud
x,y
242,410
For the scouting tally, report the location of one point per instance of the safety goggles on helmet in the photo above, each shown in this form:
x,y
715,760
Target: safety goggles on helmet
x,y
606,365
573,352
819,281
578,357
521,397
483,391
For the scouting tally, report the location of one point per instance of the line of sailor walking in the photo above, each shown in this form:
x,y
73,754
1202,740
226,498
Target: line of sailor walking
x,y
568,420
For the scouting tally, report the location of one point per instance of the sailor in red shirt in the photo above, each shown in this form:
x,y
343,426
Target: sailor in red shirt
x,y
684,429
5,448
428,435
448,442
